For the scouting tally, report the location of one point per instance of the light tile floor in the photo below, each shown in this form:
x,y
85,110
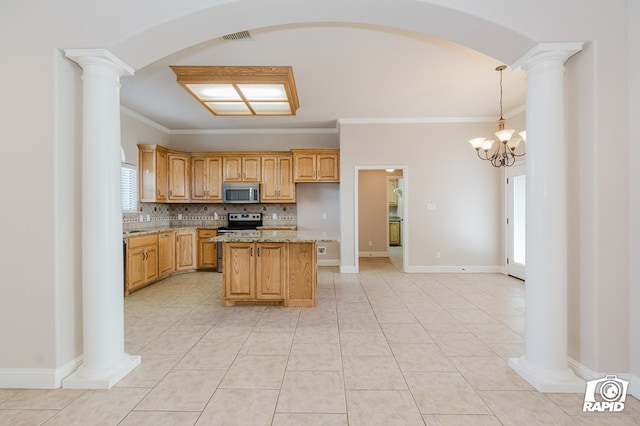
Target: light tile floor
x,y
381,348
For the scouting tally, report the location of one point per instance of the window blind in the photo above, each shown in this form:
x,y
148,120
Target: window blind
x,y
129,179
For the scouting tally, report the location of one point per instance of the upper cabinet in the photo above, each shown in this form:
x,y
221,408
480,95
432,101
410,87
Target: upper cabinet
x,y
163,175
170,176
316,165
277,179
206,178
179,183
152,173
241,168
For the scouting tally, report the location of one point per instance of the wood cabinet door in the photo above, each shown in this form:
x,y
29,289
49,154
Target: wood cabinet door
x,y
286,185
185,250
232,169
394,233
238,270
199,178
392,197
270,270
269,189
151,263
152,174
214,179
304,167
161,183
178,177
251,168
207,250
327,169
166,253
135,269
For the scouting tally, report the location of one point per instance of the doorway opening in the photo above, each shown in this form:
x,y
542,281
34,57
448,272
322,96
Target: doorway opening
x,y
516,219
381,229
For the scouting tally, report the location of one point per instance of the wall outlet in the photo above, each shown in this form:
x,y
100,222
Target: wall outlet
x,y
370,243
437,255
322,250
324,215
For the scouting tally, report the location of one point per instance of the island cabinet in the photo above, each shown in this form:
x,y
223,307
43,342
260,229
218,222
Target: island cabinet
x,y
186,250
142,262
152,173
206,178
207,250
302,275
316,165
277,179
166,253
263,272
241,168
178,182
254,272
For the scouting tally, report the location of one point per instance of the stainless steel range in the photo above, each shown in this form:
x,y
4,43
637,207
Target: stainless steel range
x,y
238,222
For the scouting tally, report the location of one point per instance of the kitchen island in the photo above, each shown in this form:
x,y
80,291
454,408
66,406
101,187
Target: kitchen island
x,y
274,267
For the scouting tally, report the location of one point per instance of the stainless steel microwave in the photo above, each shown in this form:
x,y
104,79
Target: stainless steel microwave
x,y
241,193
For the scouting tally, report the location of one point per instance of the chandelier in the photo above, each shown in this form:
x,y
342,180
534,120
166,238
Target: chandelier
x,y
505,153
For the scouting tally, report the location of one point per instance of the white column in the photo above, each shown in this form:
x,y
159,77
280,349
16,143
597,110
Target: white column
x,y
104,360
545,363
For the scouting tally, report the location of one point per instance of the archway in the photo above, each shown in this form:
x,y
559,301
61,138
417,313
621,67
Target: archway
x,y
468,29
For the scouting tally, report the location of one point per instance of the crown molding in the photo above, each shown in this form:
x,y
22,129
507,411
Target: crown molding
x,y
315,130
141,118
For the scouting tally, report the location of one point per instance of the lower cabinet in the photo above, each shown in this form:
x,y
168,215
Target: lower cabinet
x,y
270,272
207,250
254,271
142,262
166,253
186,250
394,233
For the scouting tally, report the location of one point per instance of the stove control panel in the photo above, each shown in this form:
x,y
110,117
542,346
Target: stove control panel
x,y
241,217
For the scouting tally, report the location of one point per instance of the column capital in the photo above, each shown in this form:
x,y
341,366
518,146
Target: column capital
x,y
84,57
547,52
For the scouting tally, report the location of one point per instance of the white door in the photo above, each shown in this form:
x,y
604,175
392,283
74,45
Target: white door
x,y
516,203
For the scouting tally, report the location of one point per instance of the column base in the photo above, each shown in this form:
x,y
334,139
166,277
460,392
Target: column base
x,y
547,382
102,380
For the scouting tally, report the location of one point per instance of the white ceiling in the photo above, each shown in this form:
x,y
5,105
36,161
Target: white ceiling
x,y
345,71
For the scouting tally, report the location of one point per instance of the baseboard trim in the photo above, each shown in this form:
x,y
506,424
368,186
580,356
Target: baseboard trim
x,y
329,262
588,374
491,269
37,378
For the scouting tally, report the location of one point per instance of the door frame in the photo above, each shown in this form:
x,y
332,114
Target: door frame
x,y
405,202
512,269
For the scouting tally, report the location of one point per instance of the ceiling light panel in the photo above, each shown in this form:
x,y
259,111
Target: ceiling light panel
x,y
241,90
214,92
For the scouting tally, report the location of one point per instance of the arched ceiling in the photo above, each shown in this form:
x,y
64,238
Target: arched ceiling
x,y
343,70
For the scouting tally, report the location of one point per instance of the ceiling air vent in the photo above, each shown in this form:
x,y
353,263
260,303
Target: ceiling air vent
x,y
242,35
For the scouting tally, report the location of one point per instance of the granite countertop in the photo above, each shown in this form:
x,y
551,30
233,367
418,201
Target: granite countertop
x,y
278,237
164,229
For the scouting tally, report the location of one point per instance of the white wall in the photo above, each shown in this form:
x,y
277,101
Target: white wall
x,y
133,132
443,170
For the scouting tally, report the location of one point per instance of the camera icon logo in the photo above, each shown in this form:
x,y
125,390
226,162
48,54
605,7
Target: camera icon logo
x,y
605,394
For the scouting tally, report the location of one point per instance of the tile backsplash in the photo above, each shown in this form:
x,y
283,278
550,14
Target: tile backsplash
x,y
156,215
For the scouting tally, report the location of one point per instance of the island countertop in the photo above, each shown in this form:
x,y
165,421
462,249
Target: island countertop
x,y
277,236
